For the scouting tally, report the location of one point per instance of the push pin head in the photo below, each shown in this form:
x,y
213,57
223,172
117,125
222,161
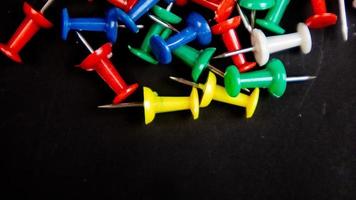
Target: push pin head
x,y
154,104
32,23
197,29
137,11
197,60
126,5
156,29
321,17
274,16
257,4
212,91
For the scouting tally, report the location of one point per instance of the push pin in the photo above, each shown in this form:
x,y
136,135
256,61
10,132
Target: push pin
x,y
256,5
232,42
108,25
272,77
155,104
274,17
197,29
197,60
321,17
126,5
344,27
129,19
212,91
144,52
99,61
222,8
32,23
263,46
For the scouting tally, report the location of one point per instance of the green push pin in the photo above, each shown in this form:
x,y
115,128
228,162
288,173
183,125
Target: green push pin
x,y
274,17
272,77
164,16
257,4
197,60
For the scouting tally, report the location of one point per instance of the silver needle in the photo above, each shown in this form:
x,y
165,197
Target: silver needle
x,y
300,78
344,27
163,23
122,105
244,19
47,4
85,42
229,54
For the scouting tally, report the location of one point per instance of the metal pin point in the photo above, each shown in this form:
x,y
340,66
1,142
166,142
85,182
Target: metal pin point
x,y
45,7
216,70
244,19
253,18
122,105
169,7
344,27
229,54
85,42
163,23
300,78
185,82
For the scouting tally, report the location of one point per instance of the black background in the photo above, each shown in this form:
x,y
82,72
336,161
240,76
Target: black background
x,y
55,143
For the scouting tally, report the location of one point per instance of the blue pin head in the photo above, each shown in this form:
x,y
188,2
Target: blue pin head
x,y
124,18
111,26
201,26
65,23
161,50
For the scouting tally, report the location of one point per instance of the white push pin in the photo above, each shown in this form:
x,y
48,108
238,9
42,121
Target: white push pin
x,y
263,46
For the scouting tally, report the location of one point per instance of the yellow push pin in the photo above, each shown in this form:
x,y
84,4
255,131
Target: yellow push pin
x,y
212,91
155,104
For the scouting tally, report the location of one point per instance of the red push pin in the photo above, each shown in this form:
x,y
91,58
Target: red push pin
x,y
321,17
99,61
222,8
126,5
28,28
232,42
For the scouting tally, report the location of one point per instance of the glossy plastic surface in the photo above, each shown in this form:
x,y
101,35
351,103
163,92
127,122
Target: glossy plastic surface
x,y
107,25
222,8
140,9
272,77
321,17
100,62
197,60
197,29
155,104
126,5
212,91
274,17
257,4
32,23
231,40
264,46
144,52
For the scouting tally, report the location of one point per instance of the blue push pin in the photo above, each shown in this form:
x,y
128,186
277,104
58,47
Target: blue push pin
x,y
197,29
129,19
107,24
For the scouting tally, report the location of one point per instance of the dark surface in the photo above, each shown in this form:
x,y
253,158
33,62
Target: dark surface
x,y
56,144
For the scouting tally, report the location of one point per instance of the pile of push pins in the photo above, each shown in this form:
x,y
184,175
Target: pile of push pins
x,y
164,42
